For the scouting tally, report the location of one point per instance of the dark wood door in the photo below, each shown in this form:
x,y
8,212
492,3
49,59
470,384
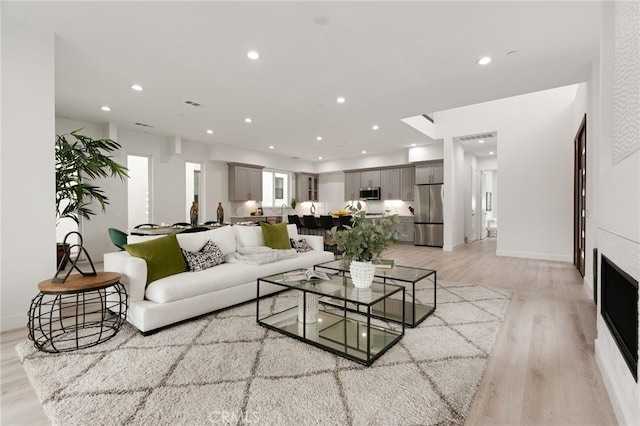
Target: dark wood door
x,y
580,197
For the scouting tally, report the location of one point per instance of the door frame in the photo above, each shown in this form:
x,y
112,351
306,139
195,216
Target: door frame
x,y
580,197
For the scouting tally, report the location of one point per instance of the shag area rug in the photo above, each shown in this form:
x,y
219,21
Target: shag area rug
x,y
225,369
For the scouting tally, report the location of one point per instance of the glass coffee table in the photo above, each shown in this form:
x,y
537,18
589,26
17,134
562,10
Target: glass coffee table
x,y
410,312
337,328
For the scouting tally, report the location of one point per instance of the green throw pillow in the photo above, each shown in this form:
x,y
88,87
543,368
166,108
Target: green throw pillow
x,y
163,256
276,236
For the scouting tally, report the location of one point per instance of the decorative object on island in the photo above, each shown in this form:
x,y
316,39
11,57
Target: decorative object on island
x,y
363,241
312,209
80,158
220,213
193,214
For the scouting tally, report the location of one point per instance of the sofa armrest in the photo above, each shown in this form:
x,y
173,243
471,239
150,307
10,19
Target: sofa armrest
x,y
316,242
133,271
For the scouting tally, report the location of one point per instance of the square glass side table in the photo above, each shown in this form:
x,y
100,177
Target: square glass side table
x,y
416,280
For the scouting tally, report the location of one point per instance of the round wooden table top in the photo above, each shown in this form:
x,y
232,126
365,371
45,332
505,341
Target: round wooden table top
x,y
79,283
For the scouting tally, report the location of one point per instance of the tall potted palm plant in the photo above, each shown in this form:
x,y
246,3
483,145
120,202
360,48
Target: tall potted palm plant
x,y
80,160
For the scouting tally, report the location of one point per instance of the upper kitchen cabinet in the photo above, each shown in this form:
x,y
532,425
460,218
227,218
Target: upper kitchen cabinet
x,y
407,183
390,188
370,179
351,186
245,182
307,187
430,173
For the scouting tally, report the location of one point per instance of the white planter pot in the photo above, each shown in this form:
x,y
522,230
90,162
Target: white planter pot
x,y
362,273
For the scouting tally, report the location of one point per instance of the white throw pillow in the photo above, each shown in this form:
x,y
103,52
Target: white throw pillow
x,y
249,236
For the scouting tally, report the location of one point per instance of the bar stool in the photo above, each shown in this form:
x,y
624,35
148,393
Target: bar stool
x,y
295,219
310,223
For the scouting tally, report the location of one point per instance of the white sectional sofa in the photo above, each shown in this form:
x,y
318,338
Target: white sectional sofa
x,y
189,294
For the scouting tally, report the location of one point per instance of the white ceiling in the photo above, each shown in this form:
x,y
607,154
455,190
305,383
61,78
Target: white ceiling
x,y
391,60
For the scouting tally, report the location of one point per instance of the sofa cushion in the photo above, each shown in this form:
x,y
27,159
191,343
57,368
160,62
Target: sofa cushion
x,y
226,275
276,236
223,237
163,256
209,256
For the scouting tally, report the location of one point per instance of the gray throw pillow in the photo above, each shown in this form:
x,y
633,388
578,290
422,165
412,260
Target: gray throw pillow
x,y
301,246
208,256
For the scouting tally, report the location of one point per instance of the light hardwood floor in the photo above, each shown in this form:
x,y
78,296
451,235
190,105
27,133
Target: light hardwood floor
x,y
542,370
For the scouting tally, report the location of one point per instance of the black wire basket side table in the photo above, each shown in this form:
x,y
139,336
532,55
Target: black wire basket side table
x,y
82,312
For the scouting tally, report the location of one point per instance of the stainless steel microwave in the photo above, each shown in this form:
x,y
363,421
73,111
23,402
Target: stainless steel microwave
x,y
369,193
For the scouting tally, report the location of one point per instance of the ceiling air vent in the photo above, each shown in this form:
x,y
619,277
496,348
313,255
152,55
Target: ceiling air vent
x,y
143,125
193,104
428,118
476,137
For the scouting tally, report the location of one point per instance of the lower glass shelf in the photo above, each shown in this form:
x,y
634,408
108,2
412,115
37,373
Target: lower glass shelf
x,y
347,337
388,309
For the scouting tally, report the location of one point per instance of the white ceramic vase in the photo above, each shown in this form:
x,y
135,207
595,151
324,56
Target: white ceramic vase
x,y
362,273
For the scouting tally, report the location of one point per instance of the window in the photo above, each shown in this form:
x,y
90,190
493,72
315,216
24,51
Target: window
x,y
192,190
138,190
276,188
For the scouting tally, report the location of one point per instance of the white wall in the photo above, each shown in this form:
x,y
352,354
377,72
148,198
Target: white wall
x,y
536,169
27,181
617,201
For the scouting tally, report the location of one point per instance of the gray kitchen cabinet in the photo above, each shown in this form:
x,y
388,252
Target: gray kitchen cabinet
x,y
245,182
351,186
307,186
370,179
407,183
430,173
390,184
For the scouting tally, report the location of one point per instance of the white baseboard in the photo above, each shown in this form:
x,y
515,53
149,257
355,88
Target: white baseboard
x,y
13,322
537,256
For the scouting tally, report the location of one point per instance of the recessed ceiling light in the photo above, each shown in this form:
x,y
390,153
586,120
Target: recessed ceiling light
x,y
209,131
253,55
318,138
248,120
137,87
105,108
375,127
491,153
363,151
319,158
484,60
481,141
341,100
271,147
413,144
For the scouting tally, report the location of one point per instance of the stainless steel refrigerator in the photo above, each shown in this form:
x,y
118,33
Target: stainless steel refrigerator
x,y
428,219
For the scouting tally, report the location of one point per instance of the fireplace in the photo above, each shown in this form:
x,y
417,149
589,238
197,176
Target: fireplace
x,y
619,309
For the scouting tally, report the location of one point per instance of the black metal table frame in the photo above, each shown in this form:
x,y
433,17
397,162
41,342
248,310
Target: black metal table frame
x,y
46,330
414,322
345,310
